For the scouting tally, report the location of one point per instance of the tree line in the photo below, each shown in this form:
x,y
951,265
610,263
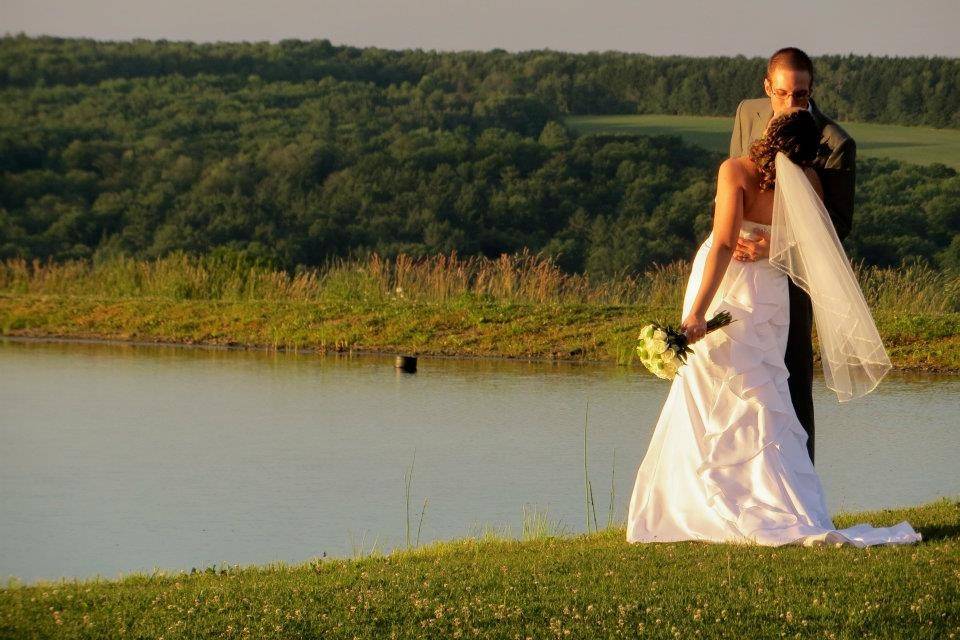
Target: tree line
x,y
888,89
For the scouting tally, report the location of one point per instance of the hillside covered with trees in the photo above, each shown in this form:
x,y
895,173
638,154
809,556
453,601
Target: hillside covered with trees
x,y
297,152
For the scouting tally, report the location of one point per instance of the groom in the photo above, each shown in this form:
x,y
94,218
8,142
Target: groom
x,y
789,83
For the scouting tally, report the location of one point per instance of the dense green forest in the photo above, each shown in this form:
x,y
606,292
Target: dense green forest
x,y
296,152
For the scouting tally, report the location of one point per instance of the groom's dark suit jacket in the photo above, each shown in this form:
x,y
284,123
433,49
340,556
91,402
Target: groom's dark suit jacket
x,y
835,165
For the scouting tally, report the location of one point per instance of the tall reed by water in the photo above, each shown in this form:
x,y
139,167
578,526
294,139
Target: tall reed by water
x,y
523,277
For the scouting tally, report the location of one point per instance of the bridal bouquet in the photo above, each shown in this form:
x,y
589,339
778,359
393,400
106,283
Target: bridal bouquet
x,y
663,348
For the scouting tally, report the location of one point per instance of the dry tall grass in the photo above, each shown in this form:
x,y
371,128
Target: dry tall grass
x,y
522,277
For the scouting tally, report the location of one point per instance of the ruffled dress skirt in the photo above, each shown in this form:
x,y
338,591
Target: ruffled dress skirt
x,y
728,460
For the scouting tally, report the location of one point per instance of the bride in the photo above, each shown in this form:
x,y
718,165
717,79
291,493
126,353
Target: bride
x,y
728,460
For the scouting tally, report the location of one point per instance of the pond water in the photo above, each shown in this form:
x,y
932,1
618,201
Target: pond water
x,y
117,459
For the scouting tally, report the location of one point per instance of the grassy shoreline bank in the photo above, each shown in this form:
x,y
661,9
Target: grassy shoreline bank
x,y
593,585
595,334
582,333
514,307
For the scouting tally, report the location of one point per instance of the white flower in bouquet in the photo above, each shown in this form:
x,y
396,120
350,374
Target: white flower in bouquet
x,y
670,369
658,346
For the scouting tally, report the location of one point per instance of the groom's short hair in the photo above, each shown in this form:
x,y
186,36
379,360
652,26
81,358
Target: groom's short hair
x,y
791,58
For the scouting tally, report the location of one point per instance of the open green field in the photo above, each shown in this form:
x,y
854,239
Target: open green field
x,y
543,585
918,145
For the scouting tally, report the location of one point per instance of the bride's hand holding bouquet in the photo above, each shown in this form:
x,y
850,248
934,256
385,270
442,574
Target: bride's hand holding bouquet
x,y
694,326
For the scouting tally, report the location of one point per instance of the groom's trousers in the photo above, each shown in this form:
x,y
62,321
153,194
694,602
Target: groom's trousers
x,y
799,359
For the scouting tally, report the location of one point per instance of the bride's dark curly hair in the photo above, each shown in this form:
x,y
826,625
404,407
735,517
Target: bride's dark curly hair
x,y
795,134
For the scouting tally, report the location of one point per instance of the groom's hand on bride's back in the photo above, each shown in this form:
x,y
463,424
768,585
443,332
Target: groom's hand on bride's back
x,y
749,250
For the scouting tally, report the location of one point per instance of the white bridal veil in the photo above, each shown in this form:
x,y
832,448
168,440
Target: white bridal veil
x,y
804,244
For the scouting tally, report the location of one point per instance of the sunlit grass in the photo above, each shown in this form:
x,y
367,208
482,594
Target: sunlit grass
x,y
591,585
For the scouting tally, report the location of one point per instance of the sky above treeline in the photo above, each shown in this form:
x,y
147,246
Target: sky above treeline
x,y
662,27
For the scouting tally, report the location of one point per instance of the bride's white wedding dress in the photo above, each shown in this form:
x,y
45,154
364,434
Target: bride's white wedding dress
x,y
728,460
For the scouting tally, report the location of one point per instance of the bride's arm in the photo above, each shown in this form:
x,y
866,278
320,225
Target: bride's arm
x,y
727,218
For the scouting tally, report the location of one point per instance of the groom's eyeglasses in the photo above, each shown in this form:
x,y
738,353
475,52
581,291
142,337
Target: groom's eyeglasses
x,y
801,96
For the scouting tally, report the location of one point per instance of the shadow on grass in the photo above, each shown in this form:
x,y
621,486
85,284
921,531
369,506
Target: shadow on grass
x,y
934,532
936,521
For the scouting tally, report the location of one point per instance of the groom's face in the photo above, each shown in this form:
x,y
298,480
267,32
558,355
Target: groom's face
x,y
787,88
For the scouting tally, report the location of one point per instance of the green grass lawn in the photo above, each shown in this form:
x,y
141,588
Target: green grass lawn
x,y
543,585
919,145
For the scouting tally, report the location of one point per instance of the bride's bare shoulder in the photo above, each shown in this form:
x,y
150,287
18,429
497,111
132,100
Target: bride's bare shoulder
x,y
734,170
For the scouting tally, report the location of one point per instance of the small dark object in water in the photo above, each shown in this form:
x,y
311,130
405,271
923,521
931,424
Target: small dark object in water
x,y
407,363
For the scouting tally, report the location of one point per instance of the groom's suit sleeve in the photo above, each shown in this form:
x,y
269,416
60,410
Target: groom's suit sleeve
x,y
838,177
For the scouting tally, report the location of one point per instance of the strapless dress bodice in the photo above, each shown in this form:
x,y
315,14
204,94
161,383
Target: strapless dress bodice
x,y
748,227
